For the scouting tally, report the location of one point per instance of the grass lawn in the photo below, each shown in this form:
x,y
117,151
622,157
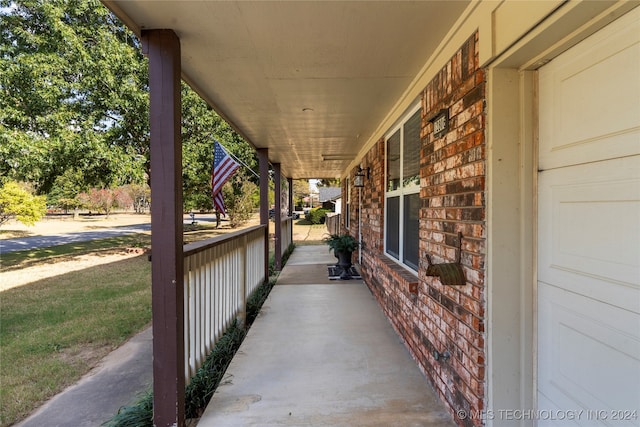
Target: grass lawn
x,y
52,332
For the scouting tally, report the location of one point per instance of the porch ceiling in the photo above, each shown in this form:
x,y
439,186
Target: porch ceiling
x,y
309,80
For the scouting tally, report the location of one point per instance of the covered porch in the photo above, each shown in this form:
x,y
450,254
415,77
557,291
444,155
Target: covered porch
x,y
435,106
308,109
321,352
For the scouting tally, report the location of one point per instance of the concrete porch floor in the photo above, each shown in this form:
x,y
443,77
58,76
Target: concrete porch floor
x,y
321,353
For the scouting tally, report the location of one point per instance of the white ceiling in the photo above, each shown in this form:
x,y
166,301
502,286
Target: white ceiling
x,y
309,80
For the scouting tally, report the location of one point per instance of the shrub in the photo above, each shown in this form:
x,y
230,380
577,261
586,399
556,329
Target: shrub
x,y
239,200
17,202
316,215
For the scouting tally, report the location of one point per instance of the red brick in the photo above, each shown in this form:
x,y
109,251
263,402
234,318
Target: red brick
x,y
452,181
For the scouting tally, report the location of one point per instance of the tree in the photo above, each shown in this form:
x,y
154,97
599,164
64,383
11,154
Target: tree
x,y
65,190
123,198
328,182
106,199
200,127
73,94
300,191
17,202
239,199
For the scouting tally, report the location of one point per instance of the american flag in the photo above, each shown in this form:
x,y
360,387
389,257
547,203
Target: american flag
x,y
223,167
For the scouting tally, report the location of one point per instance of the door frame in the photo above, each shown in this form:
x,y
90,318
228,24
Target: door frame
x,y
512,152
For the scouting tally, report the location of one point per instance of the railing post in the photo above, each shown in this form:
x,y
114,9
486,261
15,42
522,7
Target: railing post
x,y
242,316
167,269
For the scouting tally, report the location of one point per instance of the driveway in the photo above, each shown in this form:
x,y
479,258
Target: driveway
x,y
25,243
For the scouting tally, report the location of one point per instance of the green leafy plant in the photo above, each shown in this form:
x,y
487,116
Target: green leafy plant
x,y
238,195
317,215
341,242
17,202
137,415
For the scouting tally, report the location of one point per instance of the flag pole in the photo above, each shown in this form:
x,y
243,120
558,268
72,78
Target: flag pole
x,y
238,160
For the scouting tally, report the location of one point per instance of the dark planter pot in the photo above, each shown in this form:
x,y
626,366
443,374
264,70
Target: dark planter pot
x,y
344,262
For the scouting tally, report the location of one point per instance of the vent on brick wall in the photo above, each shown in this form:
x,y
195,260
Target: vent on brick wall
x,y
450,273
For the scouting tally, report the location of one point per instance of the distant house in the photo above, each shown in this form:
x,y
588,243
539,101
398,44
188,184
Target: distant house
x,y
330,198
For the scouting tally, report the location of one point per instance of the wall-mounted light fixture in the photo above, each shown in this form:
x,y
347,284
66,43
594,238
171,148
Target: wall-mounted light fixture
x,y
358,179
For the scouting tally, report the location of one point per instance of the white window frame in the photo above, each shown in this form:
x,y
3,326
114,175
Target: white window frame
x,y
402,191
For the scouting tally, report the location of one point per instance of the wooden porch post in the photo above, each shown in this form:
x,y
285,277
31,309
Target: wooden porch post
x,y
167,278
278,215
263,161
290,183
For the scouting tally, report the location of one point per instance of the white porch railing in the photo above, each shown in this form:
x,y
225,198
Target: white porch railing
x,y
219,275
286,228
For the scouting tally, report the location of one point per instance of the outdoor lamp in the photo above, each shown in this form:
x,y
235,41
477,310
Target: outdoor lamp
x,y
358,179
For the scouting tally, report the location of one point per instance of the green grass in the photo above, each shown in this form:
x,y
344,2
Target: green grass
x,y
52,332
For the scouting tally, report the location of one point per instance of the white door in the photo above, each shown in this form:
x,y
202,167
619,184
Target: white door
x,y
588,289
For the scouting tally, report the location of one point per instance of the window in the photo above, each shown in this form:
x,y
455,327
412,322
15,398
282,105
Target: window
x,y
402,194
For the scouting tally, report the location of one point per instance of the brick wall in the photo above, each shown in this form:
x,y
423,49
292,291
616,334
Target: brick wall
x,y
428,315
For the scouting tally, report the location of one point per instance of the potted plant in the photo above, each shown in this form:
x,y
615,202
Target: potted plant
x,y
343,246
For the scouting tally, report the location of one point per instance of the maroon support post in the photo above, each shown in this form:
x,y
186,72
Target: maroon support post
x,y
290,185
278,216
167,278
290,182
263,162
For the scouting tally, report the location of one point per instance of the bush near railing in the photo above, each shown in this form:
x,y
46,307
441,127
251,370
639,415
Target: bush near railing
x,y
208,377
316,215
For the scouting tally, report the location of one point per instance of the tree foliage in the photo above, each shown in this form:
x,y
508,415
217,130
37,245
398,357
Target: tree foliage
x,y
74,106
200,127
105,200
240,201
328,182
300,191
73,94
65,190
16,201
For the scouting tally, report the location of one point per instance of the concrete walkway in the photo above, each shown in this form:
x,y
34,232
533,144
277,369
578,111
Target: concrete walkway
x,y
95,399
321,353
